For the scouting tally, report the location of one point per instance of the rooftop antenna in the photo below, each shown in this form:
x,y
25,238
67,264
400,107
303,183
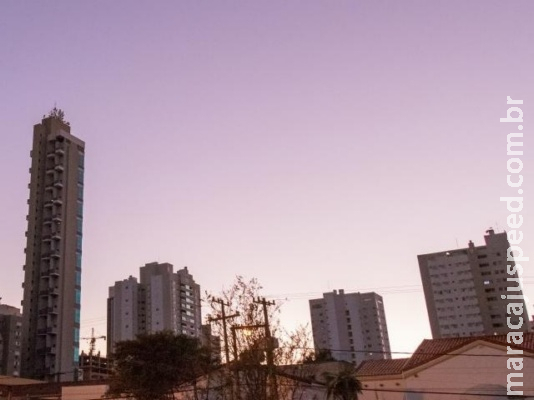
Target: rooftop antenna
x,y
457,245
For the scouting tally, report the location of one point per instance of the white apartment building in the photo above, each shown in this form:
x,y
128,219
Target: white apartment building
x,y
352,326
162,300
463,289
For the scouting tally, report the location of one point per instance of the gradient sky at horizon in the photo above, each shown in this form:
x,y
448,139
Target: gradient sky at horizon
x,y
313,145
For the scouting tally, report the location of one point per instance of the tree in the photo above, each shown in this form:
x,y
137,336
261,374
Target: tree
x,y
344,385
320,356
152,366
249,344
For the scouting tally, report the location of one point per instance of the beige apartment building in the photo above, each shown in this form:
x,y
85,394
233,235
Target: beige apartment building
x,y
351,326
52,269
162,300
10,340
463,289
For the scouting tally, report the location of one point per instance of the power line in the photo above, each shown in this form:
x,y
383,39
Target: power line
x,y
415,352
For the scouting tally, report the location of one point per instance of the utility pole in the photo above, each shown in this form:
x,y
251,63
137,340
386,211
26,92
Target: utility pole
x,y
269,347
223,317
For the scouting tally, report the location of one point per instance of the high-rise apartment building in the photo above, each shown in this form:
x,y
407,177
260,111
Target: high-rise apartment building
x,y
52,271
10,340
352,326
162,300
463,289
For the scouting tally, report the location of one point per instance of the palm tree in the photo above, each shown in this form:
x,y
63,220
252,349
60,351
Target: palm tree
x,y
344,385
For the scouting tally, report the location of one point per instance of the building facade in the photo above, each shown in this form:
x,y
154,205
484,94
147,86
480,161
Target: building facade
x,y
162,300
93,367
10,340
212,342
461,368
52,269
351,326
463,289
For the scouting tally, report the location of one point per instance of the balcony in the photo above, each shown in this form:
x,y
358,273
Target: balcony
x,y
53,272
60,148
48,203
55,254
57,202
43,311
59,168
56,236
45,255
58,184
47,220
57,217
47,238
49,292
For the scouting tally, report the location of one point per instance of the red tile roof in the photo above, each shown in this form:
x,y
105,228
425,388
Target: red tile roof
x,y
381,367
431,349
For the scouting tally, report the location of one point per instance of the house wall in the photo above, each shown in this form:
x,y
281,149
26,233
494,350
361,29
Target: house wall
x,y
470,372
83,392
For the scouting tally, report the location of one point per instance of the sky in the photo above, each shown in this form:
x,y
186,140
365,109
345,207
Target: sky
x,y
313,145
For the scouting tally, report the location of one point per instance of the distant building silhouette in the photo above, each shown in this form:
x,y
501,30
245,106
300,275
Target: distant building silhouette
x,y
52,270
463,289
213,342
10,340
93,367
162,300
352,326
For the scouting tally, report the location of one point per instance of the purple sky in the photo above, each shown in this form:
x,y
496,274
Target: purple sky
x,y
313,145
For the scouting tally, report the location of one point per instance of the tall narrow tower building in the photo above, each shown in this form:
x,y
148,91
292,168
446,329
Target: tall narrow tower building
x,y
52,271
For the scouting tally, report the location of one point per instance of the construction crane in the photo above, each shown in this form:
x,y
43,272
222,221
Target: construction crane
x,y
92,340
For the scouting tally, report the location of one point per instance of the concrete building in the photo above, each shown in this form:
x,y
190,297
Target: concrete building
x,y
352,326
124,313
10,340
463,289
162,300
93,367
52,270
211,341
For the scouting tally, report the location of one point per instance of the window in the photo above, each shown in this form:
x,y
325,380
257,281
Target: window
x,y
76,354
79,242
78,296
